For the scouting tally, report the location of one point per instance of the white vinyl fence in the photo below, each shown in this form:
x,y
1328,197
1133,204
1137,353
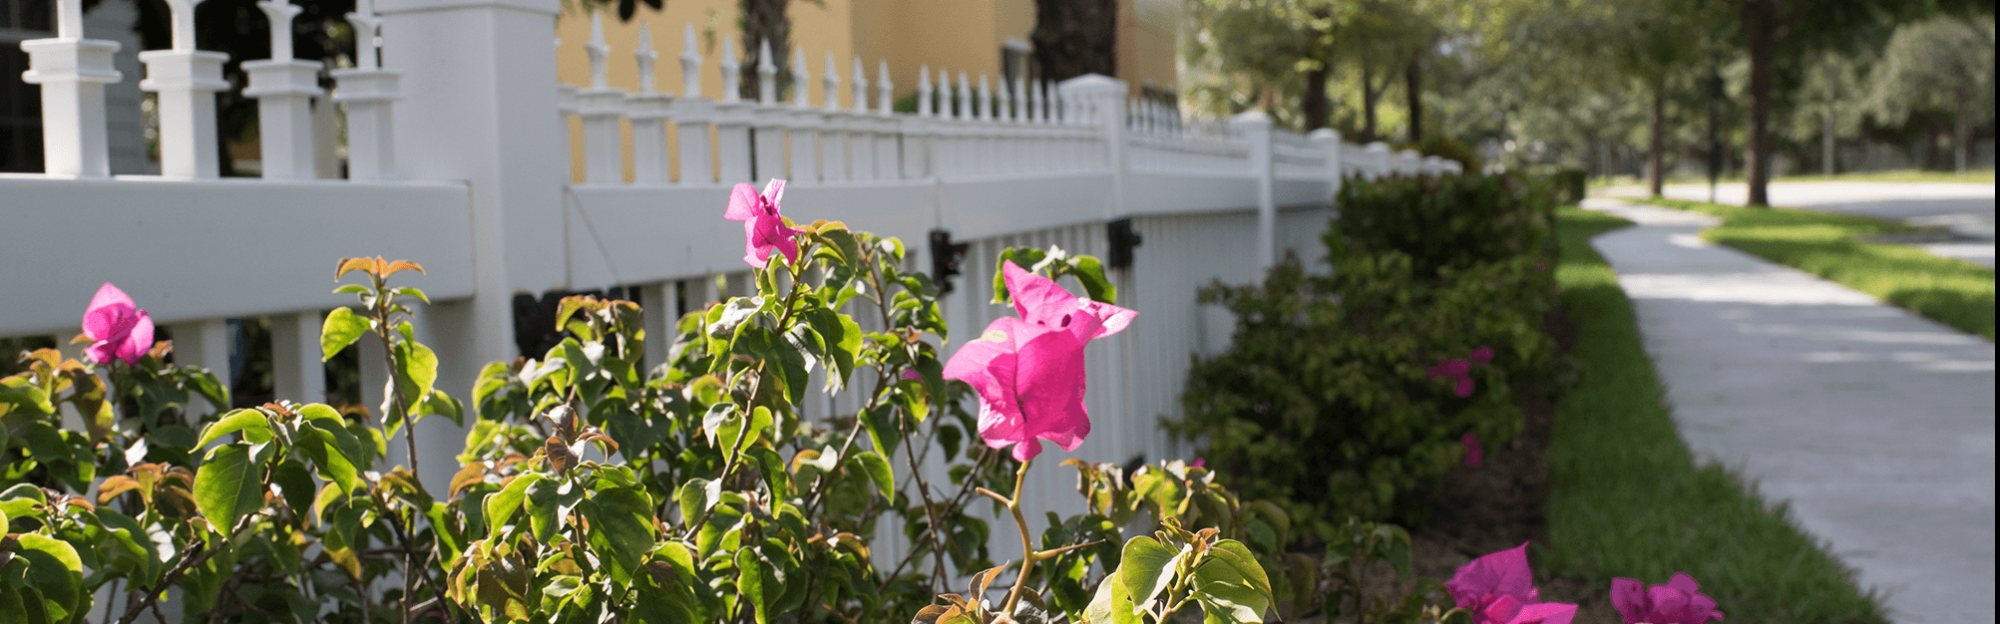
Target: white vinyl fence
x,y
458,158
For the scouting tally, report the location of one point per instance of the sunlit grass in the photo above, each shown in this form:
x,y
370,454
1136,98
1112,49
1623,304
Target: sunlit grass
x,y
1627,499
1951,291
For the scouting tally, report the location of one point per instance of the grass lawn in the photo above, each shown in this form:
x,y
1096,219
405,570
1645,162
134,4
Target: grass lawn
x,y
1627,500
1953,292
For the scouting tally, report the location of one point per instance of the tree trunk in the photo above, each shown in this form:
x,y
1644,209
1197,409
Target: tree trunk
x,y
765,20
1076,37
1759,27
1827,154
1316,106
1960,136
1368,94
1413,81
1659,138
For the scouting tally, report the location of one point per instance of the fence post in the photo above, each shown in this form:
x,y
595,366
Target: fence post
x,y
805,123
1328,140
296,370
1378,160
186,80
732,121
601,106
833,127
1412,163
72,72
1255,128
369,91
691,116
648,112
477,107
284,89
205,343
1107,96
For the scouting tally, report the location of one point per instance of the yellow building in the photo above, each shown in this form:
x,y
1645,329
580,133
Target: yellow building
x,y
973,36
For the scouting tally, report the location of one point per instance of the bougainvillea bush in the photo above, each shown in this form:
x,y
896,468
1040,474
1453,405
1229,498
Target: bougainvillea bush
x,y
1342,393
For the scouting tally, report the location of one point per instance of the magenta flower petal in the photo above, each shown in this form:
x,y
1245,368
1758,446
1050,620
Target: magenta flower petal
x,y
742,203
1482,355
1199,463
774,193
1683,582
1504,573
1472,450
1457,368
1545,613
1464,388
121,331
1628,597
1040,300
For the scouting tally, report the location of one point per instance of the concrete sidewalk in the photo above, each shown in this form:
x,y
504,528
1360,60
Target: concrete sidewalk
x,y
1876,424
1965,209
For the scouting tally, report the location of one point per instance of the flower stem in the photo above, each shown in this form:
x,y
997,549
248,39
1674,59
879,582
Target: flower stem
x,y
1028,554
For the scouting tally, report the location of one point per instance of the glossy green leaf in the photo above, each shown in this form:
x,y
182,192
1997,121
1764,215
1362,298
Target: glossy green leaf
x,y
342,328
501,506
255,426
56,573
879,472
621,525
1231,586
1112,604
228,486
1148,568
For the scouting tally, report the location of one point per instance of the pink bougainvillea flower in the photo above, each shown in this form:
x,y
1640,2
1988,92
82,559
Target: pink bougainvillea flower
x,y
1482,355
1498,588
1494,576
1677,602
121,330
1199,463
763,228
1451,368
1029,371
1472,450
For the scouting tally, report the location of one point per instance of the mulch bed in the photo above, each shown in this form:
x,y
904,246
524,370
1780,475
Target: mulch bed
x,y
1497,506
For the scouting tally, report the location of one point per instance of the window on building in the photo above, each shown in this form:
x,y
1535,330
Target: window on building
x,y
20,102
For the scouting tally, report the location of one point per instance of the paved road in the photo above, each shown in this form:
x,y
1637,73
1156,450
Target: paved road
x,y
1966,208
1877,425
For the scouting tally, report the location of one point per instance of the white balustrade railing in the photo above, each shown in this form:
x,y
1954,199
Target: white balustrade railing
x,y
447,167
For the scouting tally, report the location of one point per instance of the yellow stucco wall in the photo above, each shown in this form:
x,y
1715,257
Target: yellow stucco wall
x,y
955,35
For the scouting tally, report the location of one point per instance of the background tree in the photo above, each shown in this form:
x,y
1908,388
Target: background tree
x,y
1076,37
1942,64
1831,103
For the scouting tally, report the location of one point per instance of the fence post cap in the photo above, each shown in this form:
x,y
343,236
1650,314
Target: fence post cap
x,y
1250,119
1324,135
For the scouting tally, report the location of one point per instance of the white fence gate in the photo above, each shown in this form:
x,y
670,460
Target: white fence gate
x,y
458,159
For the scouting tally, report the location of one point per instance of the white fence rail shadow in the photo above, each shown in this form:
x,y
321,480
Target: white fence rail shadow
x,y
458,158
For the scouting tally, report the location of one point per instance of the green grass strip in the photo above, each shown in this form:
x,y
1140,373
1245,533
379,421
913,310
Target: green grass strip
x,y
1626,498
1948,290
1972,176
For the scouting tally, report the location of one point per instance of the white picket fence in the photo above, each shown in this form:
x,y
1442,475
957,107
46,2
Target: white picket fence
x,y
458,158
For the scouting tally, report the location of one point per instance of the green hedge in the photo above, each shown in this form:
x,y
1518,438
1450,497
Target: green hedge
x,y
1324,402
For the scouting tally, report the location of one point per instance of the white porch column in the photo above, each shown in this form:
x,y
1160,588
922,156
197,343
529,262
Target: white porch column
x,y
1328,142
284,89
601,107
1255,127
205,343
186,80
297,373
648,111
72,72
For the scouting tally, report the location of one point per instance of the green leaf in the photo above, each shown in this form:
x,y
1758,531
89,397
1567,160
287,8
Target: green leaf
x,y
256,427
295,484
1026,258
757,582
416,371
1231,586
621,525
127,535
696,496
951,437
879,472
228,486
548,502
324,439
843,342
500,506
342,328
1090,272
1148,567
882,431
1112,604
56,573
